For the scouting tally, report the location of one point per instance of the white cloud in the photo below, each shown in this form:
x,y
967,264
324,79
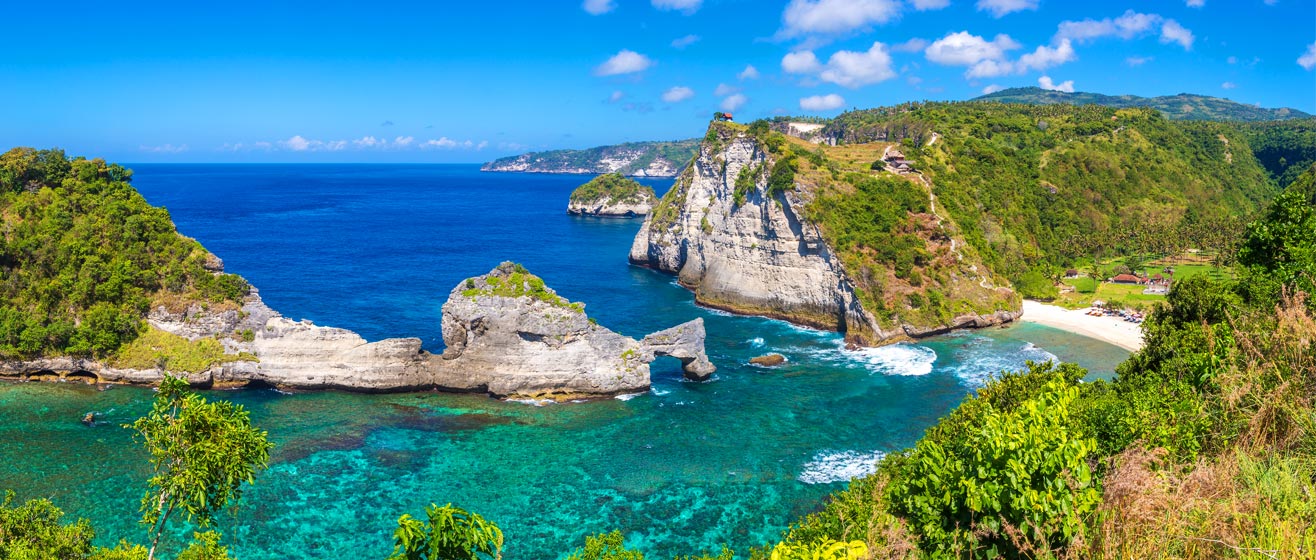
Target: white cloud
x,y
443,143
734,101
832,17
624,62
368,142
1172,32
597,7
170,148
1196,3
749,73
993,88
921,5
299,144
913,45
482,145
1308,59
683,42
686,7
678,94
1066,86
616,96
963,49
1129,25
1000,8
1046,57
724,89
403,141
1138,60
991,69
987,59
800,62
853,69
827,102
1228,85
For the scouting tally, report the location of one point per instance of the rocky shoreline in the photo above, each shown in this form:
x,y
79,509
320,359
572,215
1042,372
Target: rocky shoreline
x,y
505,340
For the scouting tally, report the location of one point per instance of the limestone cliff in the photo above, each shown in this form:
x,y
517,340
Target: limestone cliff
x,y
508,335
740,236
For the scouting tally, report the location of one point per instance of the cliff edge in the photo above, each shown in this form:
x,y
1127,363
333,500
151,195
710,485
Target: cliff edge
x,y
757,224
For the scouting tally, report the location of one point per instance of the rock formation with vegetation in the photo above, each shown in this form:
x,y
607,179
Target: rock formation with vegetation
x,y
611,195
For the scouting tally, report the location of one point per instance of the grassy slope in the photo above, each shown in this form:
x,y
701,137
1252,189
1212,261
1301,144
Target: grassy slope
x,y
1030,186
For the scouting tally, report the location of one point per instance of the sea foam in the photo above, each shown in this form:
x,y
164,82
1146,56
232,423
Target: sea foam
x,y
839,466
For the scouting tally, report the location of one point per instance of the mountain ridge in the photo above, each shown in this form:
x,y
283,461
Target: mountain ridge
x,y
1181,106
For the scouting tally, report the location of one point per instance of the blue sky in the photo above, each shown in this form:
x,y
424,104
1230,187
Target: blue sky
x,y
274,81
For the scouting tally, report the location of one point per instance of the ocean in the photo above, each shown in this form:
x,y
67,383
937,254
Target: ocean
x,y
683,468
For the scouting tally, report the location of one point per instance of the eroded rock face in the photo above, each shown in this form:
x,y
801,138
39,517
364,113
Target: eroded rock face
x,y
609,208
541,345
756,253
507,335
756,257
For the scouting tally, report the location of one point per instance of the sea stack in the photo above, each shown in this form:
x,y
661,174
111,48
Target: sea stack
x,y
613,196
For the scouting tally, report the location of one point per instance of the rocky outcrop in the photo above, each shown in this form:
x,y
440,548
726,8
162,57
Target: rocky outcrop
x,y
757,257
608,208
768,360
611,195
506,333
754,252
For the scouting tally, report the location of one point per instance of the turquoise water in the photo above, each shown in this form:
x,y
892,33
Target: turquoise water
x,y
683,468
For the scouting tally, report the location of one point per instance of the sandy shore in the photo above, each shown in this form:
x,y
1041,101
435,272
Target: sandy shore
x,y
1107,329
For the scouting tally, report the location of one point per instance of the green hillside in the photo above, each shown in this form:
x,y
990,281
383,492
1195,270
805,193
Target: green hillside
x,y
83,258
1184,106
1038,187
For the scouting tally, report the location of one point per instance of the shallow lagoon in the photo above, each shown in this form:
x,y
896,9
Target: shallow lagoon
x,y
375,248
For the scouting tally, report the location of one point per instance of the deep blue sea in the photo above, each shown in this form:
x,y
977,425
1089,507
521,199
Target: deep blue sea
x,y
684,468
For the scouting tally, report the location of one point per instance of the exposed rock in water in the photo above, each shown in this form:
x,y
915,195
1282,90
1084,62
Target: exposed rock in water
x,y
750,250
768,360
507,335
611,195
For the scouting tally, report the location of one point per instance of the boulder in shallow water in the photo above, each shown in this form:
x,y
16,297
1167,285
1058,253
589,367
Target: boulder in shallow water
x,y
768,360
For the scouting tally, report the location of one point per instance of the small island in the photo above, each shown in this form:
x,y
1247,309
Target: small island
x,y
611,195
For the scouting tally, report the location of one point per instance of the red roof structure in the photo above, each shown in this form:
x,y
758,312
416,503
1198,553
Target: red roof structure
x,y
1127,279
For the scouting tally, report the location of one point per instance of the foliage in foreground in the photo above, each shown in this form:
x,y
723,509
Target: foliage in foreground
x,y
448,533
1204,445
200,452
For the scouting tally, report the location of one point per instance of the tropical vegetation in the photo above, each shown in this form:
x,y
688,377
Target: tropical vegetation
x,y
83,258
614,188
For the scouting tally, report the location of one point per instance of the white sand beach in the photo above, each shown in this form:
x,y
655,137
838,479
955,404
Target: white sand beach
x,y
1107,329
